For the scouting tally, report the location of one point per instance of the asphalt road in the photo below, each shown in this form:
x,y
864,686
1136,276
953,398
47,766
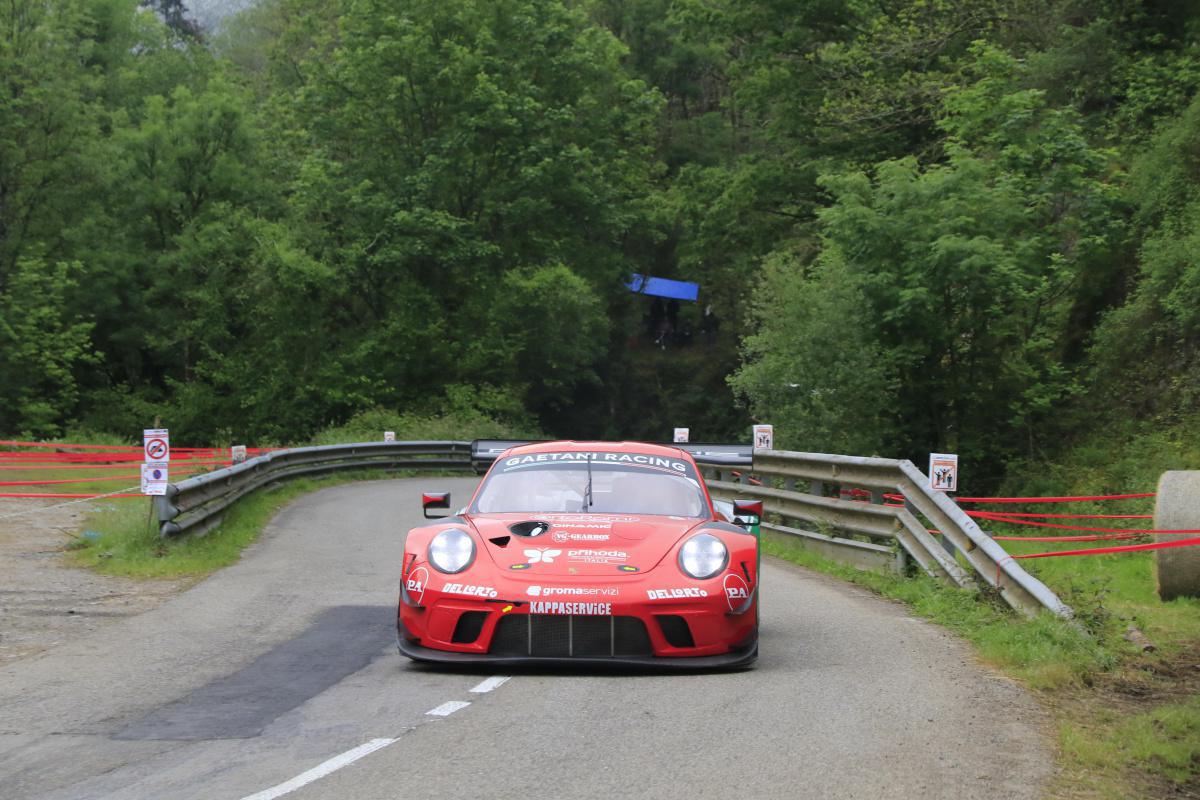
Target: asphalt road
x,y
280,673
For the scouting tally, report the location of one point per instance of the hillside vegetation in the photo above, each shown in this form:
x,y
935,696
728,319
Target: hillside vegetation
x,y
924,225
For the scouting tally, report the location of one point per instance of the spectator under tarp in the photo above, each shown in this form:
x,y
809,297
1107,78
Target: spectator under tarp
x,y
664,287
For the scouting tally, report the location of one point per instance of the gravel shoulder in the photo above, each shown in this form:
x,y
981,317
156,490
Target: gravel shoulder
x,y
44,599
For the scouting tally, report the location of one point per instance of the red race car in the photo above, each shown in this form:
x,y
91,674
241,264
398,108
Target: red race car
x,y
583,553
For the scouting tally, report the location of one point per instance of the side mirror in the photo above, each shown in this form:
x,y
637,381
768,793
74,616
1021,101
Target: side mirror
x,y
432,501
748,513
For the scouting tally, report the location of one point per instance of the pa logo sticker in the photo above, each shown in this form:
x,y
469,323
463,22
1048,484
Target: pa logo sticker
x,y
415,585
737,591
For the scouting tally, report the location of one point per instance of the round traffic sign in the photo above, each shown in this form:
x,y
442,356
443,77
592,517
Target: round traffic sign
x,y
156,449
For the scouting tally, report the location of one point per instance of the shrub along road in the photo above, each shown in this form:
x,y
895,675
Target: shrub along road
x,y
286,660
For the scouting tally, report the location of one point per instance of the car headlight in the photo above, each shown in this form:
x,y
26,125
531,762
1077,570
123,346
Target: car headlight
x,y
703,556
452,551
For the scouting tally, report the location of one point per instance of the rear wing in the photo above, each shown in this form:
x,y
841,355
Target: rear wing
x,y
485,451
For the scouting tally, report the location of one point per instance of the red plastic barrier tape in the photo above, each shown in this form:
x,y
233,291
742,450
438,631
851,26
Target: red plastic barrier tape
x,y
1015,515
750,479
124,465
7,443
1101,537
112,447
1035,524
1126,548
56,496
96,479
1053,499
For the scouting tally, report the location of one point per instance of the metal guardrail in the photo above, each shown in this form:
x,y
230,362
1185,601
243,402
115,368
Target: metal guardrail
x,y
197,504
795,490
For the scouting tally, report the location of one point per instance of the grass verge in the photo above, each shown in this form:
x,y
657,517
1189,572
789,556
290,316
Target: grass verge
x,y
1128,722
120,539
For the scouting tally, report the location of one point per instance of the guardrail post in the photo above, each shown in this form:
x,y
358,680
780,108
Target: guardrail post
x,y
943,540
877,499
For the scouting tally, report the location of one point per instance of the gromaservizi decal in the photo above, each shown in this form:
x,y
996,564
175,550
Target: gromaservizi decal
x,y
571,591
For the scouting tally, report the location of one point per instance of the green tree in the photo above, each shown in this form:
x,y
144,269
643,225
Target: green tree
x,y
453,144
41,344
814,368
1145,353
966,268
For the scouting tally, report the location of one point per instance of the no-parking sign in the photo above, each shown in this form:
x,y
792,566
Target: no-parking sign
x,y
156,443
681,435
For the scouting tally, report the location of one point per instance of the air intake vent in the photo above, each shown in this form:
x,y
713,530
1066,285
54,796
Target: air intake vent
x,y
676,630
470,623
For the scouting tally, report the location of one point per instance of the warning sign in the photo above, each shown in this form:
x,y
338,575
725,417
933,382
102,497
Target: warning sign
x,y
237,453
943,472
764,437
681,435
156,443
154,479
389,436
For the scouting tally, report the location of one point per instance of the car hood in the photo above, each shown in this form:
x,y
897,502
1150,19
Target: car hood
x,y
580,544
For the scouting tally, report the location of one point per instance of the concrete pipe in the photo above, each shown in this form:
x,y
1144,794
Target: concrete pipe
x,y
1177,507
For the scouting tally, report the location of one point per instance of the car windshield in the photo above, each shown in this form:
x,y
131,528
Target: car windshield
x,y
615,488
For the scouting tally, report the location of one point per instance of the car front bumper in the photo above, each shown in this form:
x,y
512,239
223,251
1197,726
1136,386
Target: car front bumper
x,y
695,633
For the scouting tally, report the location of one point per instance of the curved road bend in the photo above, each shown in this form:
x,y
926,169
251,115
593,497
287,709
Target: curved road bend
x,y
279,664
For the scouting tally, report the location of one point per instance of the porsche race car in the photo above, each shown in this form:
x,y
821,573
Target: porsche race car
x,y
585,553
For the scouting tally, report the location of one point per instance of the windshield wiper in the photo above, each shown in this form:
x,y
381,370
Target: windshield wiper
x,y
587,494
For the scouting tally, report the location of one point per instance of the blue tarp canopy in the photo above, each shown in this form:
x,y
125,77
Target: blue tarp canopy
x,y
663,287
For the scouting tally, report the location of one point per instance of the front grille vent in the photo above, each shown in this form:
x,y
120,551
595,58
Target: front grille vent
x,y
552,636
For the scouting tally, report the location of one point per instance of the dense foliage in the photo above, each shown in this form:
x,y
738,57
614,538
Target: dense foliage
x,y
922,224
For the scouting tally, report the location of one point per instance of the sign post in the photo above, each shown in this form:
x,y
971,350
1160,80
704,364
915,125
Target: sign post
x,y
681,436
764,437
943,472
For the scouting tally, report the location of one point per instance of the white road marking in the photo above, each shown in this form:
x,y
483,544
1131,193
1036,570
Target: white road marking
x,y
350,756
494,682
321,770
447,708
